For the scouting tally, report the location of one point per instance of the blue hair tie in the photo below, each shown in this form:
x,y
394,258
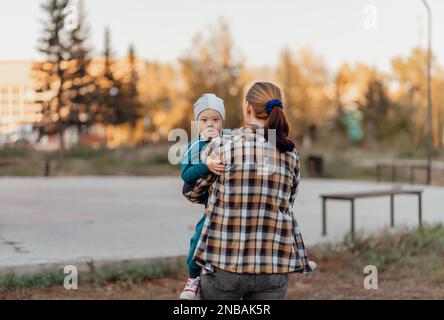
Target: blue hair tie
x,y
272,103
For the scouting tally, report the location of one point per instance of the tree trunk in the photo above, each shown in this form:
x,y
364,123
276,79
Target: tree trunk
x,y
61,148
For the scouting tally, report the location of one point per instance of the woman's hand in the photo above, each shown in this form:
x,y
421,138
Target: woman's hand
x,y
215,166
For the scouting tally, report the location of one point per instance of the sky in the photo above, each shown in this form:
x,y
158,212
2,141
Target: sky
x,y
163,30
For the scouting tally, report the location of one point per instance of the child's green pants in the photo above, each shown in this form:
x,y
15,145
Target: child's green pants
x,y
194,268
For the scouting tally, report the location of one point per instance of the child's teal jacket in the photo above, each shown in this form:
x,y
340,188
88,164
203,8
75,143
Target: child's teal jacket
x,y
191,166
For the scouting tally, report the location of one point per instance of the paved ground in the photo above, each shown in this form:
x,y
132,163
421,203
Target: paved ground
x,y
65,220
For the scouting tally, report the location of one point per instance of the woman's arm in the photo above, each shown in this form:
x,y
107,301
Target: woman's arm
x,y
200,189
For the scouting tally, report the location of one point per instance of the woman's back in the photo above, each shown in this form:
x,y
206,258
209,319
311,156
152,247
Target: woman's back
x,y
250,225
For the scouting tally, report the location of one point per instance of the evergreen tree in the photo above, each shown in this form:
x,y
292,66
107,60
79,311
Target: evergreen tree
x,y
111,89
132,106
81,86
52,73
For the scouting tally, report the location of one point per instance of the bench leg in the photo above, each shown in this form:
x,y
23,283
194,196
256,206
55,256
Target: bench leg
x,y
392,211
420,209
324,218
352,219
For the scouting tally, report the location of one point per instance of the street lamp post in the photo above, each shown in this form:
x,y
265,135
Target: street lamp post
x,y
429,96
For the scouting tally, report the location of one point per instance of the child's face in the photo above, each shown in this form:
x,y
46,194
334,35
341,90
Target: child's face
x,y
209,124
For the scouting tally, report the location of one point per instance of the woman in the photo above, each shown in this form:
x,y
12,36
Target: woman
x,y
251,241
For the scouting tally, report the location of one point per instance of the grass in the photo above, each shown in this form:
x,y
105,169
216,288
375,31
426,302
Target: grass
x,y
339,163
137,273
80,161
421,250
133,274
343,168
12,281
85,161
14,152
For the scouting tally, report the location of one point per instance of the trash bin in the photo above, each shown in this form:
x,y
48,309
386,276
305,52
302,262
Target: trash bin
x,y
315,165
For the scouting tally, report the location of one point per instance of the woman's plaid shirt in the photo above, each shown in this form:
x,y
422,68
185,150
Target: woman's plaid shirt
x,y
250,226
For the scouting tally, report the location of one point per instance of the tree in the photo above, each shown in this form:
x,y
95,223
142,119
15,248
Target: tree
x,y
349,89
341,83
212,66
65,88
52,74
163,104
438,103
304,80
111,109
80,84
132,106
411,93
375,110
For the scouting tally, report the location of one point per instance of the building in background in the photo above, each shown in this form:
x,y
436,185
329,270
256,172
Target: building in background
x,y
18,110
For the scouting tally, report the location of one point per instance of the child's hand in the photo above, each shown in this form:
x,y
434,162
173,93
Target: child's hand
x,y
215,166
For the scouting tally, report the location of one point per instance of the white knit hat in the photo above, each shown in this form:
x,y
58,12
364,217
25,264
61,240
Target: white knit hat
x,y
209,101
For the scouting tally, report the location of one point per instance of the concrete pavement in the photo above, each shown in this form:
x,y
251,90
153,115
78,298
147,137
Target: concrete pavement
x,y
59,221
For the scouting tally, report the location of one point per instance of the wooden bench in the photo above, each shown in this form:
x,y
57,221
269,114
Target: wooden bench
x,y
358,195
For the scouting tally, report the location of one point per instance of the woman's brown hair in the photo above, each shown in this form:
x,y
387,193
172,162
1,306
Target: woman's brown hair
x,y
258,96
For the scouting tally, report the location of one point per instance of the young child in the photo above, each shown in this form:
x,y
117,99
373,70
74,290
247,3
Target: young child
x,y
209,112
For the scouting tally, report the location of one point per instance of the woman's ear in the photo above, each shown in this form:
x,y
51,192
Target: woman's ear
x,y
249,108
